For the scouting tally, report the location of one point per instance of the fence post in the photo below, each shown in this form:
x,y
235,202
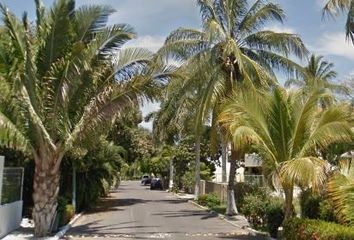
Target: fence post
x,y
2,160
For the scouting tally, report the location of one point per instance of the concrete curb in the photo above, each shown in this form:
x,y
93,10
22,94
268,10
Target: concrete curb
x,y
64,229
225,218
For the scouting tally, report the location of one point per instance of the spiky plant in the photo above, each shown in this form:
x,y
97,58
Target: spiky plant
x,y
63,81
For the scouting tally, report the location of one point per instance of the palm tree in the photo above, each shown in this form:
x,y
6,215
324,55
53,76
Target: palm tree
x,y
318,74
335,7
232,49
288,129
63,82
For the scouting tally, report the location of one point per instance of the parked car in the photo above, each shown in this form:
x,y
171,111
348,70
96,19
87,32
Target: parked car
x,y
156,183
145,180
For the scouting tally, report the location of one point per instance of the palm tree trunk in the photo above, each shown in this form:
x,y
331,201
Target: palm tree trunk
x,y
231,208
289,211
223,161
197,168
45,193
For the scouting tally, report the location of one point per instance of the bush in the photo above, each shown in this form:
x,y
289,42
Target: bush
x,y
241,190
310,204
255,210
275,216
315,207
327,212
209,200
68,214
263,212
310,229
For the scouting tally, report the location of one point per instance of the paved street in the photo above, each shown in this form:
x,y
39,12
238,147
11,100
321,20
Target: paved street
x,y
136,212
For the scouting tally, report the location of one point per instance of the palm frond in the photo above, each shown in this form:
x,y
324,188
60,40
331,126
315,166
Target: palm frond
x,y
340,191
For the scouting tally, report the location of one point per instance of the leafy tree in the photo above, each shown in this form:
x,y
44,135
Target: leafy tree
x,y
289,130
63,81
231,50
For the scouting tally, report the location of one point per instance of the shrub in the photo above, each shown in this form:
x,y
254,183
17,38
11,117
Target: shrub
x,y
209,200
241,190
202,199
310,204
255,210
327,212
275,216
263,212
68,213
310,229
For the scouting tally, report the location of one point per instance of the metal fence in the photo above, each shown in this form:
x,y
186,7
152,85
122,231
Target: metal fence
x,y
12,185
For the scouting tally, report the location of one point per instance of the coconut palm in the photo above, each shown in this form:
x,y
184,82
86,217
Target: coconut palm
x,y
316,75
335,7
289,130
232,49
63,81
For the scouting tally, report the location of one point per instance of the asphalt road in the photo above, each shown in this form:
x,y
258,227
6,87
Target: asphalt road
x,y
136,212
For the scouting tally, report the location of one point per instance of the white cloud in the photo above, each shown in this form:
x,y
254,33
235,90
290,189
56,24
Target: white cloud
x,y
280,29
335,44
153,43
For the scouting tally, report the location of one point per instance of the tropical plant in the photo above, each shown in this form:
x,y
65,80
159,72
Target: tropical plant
x,y
340,191
232,49
289,130
335,7
318,74
63,81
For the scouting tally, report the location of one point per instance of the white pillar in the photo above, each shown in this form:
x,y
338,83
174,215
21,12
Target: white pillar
x,y
2,161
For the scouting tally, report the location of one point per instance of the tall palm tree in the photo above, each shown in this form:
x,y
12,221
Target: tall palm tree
x,y
289,130
63,81
318,74
335,7
232,49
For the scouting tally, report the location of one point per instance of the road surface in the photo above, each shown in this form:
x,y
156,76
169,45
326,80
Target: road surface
x,y
136,212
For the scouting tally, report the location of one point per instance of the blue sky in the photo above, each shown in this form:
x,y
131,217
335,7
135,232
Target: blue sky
x,y
154,19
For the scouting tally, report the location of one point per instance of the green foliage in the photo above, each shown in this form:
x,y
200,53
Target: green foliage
x,y
326,211
96,172
310,204
67,214
242,189
209,200
308,229
263,212
275,216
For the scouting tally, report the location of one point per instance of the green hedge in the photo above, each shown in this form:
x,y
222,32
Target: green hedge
x,y
309,229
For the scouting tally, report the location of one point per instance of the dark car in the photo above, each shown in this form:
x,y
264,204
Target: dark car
x,y
156,183
145,180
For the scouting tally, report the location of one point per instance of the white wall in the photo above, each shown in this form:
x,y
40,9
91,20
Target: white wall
x,y
10,217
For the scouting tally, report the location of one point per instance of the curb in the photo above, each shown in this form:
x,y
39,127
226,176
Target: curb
x,y
64,229
225,218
